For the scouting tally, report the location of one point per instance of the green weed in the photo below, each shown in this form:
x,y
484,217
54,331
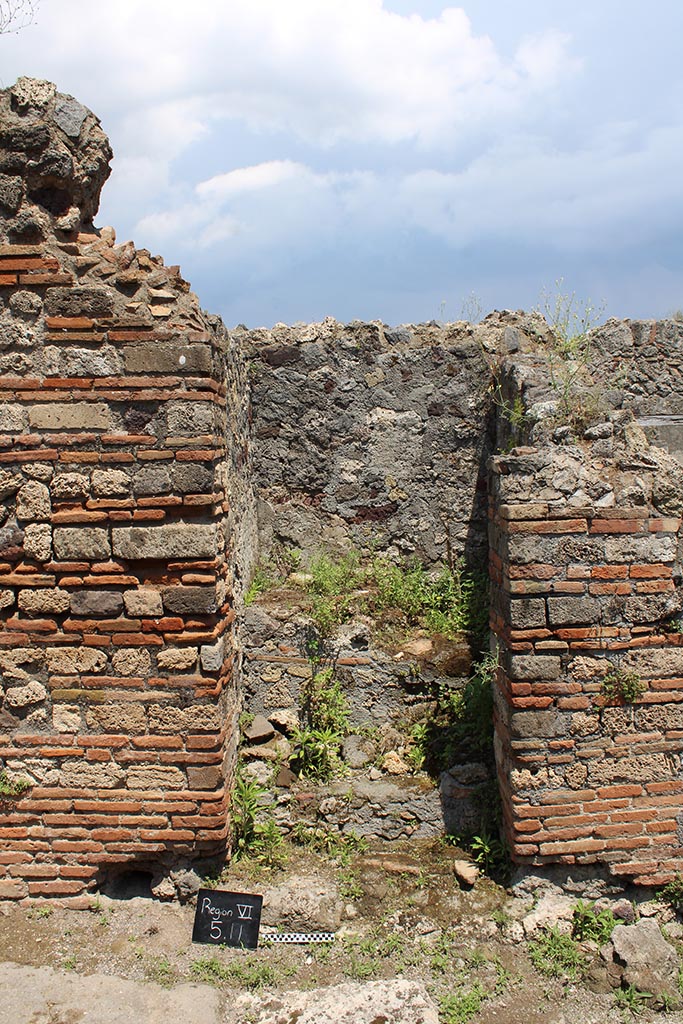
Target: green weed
x,y
340,845
251,838
12,789
252,976
632,999
672,893
556,955
317,754
621,687
589,923
460,1007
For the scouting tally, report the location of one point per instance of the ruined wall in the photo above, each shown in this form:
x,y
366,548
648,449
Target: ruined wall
x,y
585,560
126,515
372,437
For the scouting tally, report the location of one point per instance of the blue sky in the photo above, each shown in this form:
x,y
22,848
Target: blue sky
x,y
385,160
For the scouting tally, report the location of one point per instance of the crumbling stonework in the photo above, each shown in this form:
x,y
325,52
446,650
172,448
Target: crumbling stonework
x,y
126,514
128,527
585,553
372,437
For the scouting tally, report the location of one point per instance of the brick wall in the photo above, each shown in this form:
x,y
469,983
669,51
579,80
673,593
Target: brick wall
x,y
126,517
580,590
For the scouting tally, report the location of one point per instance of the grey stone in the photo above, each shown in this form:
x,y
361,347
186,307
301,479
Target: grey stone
x,y
72,543
527,613
92,301
212,656
187,883
358,751
11,193
189,600
534,666
25,304
175,540
192,479
69,115
395,1001
152,480
30,994
165,357
99,603
13,418
143,601
544,724
649,962
566,611
259,730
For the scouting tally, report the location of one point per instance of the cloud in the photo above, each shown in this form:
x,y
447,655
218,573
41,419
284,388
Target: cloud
x,y
327,71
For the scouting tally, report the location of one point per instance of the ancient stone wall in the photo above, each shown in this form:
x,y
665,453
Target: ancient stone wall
x,y
128,529
126,517
585,554
371,437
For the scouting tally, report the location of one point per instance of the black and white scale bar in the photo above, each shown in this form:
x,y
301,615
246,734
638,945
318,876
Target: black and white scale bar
x,y
297,937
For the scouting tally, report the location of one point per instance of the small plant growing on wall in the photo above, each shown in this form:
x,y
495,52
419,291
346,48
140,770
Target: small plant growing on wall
x,y
621,687
12,789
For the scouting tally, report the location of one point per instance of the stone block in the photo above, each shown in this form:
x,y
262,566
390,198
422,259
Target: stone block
x,y
155,776
98,603
166,356
74,543
542,724
535,666
197,718
143,602
573,611
81,774
71,416
131,661
110,482
175,540
527,613
117,718
33,502
44,602
13,418
177,659
152,480
9,483
91,301
38,542
19,697
189,418
70,486
192,479
212,656
190,600
206,777
6,598
70,661
66,718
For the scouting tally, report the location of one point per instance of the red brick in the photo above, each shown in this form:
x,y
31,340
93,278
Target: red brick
x,y
655,570
616,526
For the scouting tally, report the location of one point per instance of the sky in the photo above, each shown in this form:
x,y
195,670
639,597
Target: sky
x,y
394,160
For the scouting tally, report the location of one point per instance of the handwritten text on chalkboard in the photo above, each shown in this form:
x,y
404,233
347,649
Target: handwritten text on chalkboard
x,y
227,918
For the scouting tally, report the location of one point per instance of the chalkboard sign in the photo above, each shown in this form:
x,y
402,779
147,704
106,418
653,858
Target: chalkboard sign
x,y
227,918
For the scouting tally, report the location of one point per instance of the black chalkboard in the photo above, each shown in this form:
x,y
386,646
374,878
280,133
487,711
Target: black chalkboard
x,y
227,918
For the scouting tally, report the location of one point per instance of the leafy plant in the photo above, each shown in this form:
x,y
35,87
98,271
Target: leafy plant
x,y
632,999
556,955
251,976
12,789
261,581
672,893
252,838
461,1007
317,754
341,845
490,853
324,704
621,687
591,924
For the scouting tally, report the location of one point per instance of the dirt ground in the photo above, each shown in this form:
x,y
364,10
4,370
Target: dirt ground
x,y
394,914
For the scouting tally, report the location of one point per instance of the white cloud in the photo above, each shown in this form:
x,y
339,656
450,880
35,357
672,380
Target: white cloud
x,y
325,70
